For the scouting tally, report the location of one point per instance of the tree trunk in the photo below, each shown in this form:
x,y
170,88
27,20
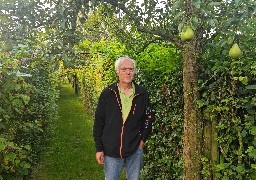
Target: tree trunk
x,y
75,84
192,119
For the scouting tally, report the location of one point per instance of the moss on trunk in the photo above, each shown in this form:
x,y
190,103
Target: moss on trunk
x,y
192,119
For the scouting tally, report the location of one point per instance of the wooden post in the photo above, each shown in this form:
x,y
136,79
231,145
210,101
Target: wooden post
x,y
210,144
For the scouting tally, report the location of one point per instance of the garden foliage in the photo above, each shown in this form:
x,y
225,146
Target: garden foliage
x,y
28,103
227,95
228,89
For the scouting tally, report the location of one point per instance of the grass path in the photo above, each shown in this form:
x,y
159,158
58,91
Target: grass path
x,y
70,154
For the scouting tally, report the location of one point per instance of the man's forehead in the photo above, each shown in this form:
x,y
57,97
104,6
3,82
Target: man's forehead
x,y
126,63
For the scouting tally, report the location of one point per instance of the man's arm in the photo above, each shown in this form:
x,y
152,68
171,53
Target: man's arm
x,y
99,123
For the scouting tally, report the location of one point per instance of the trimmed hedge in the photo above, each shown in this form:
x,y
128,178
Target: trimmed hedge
x,y
29,91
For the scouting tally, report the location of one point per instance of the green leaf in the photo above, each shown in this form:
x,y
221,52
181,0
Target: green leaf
x,y
225,178
181,26
253,130
26,165
240,169
201,103
252,152
250,87
253,166
25,99
11,156
197,3
2,146
221,166
243,79
178,15
195,20
215,3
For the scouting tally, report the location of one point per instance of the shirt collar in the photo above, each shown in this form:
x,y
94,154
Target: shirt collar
x,y
133,90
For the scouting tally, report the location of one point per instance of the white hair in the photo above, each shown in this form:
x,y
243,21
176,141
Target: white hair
x,y
121,59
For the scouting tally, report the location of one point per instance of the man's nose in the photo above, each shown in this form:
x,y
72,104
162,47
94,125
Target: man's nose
x,y
128,71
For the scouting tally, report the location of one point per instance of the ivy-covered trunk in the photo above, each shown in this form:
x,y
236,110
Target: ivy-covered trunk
x,y
192,119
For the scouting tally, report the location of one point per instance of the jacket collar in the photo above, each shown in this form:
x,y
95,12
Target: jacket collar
x,y
138,88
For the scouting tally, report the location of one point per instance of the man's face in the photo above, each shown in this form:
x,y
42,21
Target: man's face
x,y
126,72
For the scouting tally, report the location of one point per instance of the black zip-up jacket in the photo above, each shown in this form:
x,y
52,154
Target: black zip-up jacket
x,y
111,135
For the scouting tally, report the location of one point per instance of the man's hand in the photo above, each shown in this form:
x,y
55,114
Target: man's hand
x,y
141,144
100,157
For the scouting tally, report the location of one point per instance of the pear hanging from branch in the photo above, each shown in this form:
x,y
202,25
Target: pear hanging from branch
x,y
235,52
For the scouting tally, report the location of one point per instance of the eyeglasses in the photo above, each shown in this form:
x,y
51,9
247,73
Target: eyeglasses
x,y
124,69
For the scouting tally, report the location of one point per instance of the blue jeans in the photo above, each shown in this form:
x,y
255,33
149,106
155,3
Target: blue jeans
x,y
133,164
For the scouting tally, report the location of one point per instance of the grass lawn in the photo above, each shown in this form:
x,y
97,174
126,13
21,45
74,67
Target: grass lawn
x,y
70,152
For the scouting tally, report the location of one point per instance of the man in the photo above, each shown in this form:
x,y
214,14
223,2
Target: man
x,y
122,123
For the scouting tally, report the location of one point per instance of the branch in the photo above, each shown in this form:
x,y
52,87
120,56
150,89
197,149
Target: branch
x,y
137,23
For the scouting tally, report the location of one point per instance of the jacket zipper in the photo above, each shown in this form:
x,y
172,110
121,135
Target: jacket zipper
x,y
121,146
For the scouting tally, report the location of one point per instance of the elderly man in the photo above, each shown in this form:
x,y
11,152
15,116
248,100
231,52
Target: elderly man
x,y
122,123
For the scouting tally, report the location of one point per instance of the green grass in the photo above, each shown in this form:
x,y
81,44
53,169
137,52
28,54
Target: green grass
x,y
70,152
